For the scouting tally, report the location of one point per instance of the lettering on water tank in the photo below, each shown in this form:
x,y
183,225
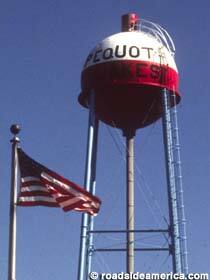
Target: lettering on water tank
x,y
120,51
139,71
108,53
119,71
96,56
88,59
128,71
134,51
149,50
155,72
158,73
133,71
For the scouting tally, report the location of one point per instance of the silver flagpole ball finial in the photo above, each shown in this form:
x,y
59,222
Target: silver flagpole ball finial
x,y
15,129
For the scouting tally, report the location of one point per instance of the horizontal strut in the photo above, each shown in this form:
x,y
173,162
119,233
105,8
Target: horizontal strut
x,y
125,231
124,249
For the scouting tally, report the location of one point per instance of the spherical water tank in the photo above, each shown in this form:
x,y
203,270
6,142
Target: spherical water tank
x,y
126,72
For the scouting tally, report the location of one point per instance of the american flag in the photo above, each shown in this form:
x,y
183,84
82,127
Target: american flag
x,y
43,187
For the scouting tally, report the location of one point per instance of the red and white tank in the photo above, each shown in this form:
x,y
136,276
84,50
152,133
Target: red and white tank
x,y
127,72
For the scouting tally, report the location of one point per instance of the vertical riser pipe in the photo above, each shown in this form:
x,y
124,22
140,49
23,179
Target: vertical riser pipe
x,y
130,202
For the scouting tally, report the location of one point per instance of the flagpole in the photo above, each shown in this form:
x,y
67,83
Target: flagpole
x,y
15,129
84,236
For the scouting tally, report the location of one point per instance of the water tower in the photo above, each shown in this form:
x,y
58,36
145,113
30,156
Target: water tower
x,y
130,80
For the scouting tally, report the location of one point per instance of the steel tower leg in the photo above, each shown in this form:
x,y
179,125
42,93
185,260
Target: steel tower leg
x,y
130,200
93,186
84,236
170,174
179,187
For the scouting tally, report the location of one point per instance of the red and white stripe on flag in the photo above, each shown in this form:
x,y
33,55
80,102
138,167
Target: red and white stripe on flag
x,y
42,187
69,195
33,192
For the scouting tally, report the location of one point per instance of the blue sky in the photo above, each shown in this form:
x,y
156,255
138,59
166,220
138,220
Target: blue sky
x,y
43,47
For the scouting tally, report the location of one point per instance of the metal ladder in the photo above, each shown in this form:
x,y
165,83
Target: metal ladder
x,y
177,166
